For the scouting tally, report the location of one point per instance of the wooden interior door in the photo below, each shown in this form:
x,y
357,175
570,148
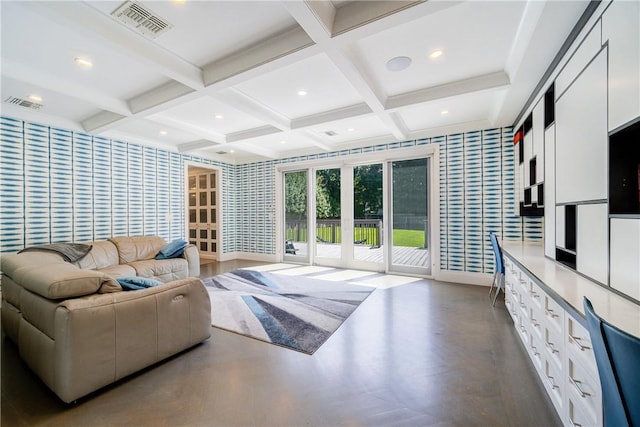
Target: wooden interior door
x,y
203,211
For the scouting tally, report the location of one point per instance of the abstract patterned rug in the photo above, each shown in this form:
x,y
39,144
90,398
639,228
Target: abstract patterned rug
x,y
295,312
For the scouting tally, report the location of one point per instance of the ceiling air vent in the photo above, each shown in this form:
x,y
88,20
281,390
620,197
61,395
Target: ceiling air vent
x,y
23,103
221,152
330,133
141,19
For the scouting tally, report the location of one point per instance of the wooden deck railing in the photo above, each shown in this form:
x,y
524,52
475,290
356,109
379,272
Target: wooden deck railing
x,y
366,231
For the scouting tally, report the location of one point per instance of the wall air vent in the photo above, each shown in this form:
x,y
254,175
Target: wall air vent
x,y
141,19
221,152
330,133
23,103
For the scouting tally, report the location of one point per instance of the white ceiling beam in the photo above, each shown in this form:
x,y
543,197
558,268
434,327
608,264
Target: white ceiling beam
x,y
358,14
254,149
319,30
252,133
241,102
315,17
102,121
315,140
396,125
330,116
94,24
49,82
205,133
278,46
528,23
496,80
159,95
195,145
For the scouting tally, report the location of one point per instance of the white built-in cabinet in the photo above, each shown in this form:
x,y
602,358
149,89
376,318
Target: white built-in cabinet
x,y
565,133
621,33
558,345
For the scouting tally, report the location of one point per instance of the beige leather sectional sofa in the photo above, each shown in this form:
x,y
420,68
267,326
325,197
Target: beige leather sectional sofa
x,y
78,330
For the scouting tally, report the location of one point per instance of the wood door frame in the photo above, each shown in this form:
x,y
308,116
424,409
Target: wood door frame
x,y
219,221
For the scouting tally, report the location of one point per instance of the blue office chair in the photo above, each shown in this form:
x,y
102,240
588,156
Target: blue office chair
x,y
498,276
618,359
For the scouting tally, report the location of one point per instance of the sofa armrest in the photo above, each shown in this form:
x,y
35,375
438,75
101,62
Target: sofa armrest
x,y
102,338
192,256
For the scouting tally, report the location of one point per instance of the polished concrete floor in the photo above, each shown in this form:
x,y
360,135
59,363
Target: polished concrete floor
x,y
420,354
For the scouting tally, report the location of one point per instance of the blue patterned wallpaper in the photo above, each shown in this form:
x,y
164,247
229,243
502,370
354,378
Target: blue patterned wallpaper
x,y
62,186
57,185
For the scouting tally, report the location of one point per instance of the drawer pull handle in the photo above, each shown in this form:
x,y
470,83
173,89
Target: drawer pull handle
x,y
522,305
534,322
549,312
550,378
550,346
575,424
577,340
535,350
575,383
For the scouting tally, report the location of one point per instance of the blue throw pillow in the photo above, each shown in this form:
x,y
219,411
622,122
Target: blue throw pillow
x,y
172,250
136,283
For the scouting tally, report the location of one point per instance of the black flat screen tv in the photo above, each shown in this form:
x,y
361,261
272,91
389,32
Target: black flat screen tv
x,y
624,170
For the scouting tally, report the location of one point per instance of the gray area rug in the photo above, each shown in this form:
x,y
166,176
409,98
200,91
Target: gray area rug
x,y
296,312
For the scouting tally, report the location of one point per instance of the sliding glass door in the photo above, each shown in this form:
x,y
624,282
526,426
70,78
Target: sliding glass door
x,y
370,216
409,222
296,207
328,219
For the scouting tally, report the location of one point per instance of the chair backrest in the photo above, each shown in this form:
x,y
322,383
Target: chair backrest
x,y
618,358
497,253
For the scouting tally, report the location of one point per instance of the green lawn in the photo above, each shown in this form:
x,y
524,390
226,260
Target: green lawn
x,y
409,238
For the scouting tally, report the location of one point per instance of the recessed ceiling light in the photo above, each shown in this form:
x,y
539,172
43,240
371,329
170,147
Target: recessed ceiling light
x,y
163,132
444,112
35,98
83,62
219,116
350,129
398,63
283,142
179,1
232,151
302,92
436,54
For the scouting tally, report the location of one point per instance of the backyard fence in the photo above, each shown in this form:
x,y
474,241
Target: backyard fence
x,y
366,231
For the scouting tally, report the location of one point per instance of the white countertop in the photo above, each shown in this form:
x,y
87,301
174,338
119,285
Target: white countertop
x,y
572,287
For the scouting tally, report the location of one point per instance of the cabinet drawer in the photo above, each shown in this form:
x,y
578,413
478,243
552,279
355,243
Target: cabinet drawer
x,y
553,383
536,325
553,346
579,343
583,387
535,353
535,295
553,313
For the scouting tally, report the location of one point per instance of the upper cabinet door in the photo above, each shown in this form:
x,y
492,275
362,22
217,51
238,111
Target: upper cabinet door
x,y
621,28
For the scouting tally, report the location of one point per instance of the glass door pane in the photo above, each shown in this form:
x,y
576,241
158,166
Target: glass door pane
x,y
410,220
367,213
328,218
295,215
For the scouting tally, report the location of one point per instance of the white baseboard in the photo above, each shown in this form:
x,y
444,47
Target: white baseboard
x,y
481,279
250,256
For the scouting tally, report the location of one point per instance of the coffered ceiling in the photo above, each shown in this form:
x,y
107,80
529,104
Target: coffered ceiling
x,y
247,80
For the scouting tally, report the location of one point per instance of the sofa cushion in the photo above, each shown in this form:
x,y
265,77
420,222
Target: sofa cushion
x,y
118,270
103,254
175,267
173,250
9,263
56,281
137,248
